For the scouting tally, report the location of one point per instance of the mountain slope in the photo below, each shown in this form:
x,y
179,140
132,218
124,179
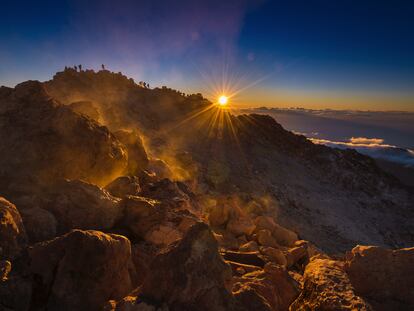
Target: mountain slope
x,y
334,198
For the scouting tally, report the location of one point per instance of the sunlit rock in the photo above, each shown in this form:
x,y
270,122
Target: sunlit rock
x,y
384,276
327,287
12,232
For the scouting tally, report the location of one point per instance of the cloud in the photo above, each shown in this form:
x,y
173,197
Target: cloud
x,y
366,141
373,147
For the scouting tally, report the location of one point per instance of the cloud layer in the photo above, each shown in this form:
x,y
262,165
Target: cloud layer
x,y
373,147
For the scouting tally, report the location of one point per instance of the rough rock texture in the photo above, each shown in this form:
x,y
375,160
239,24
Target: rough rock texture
x,y
273,283
80,205
86,108
81,270
43,141
40,224
327,287
384,277
251,299
15,288
191,275
12,233
137,156
123,186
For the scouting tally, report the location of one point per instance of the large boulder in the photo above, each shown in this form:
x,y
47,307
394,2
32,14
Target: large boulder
x,y
39,223
327,287
137,156
273,283
191,275
81,270
43,141
383,276
12,233
79,205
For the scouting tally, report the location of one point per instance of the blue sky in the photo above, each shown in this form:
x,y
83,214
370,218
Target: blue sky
x,y
315,54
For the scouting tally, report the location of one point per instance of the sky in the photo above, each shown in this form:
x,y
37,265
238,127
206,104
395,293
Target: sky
x,y
345,54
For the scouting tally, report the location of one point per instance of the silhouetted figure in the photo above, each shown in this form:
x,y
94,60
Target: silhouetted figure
x,y
76,68
66,68
80,67
103,67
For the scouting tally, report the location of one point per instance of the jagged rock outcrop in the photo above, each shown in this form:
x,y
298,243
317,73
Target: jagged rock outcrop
x,y
80,205
384,277
81,270
191,275
327,287
43,141
12,233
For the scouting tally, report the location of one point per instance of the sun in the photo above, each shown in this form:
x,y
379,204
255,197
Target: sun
x,y
223,100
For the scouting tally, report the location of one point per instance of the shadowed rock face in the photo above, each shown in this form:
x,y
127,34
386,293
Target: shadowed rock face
x,y
80,271
43,141
191,275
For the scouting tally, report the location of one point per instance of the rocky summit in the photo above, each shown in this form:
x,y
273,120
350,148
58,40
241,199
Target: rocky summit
x,y
116,196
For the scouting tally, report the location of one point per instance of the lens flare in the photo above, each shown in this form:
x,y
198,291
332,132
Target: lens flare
x,y
223,100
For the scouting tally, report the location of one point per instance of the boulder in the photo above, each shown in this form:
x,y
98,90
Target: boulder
x,y
219,215
40,224
137,156
191,275
123,186
273,283
275,255
12,232
384,277
80,270
163,234
284,236
241,226
43,141
265,238
79,205
250,299
327,287
141,214
296,254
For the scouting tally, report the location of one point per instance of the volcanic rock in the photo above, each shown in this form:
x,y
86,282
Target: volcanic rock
x,y
40,224
327,287
80,205
137,156
12,232
87,108
81,270
123,186
43,141
384,277
273,283
191,275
